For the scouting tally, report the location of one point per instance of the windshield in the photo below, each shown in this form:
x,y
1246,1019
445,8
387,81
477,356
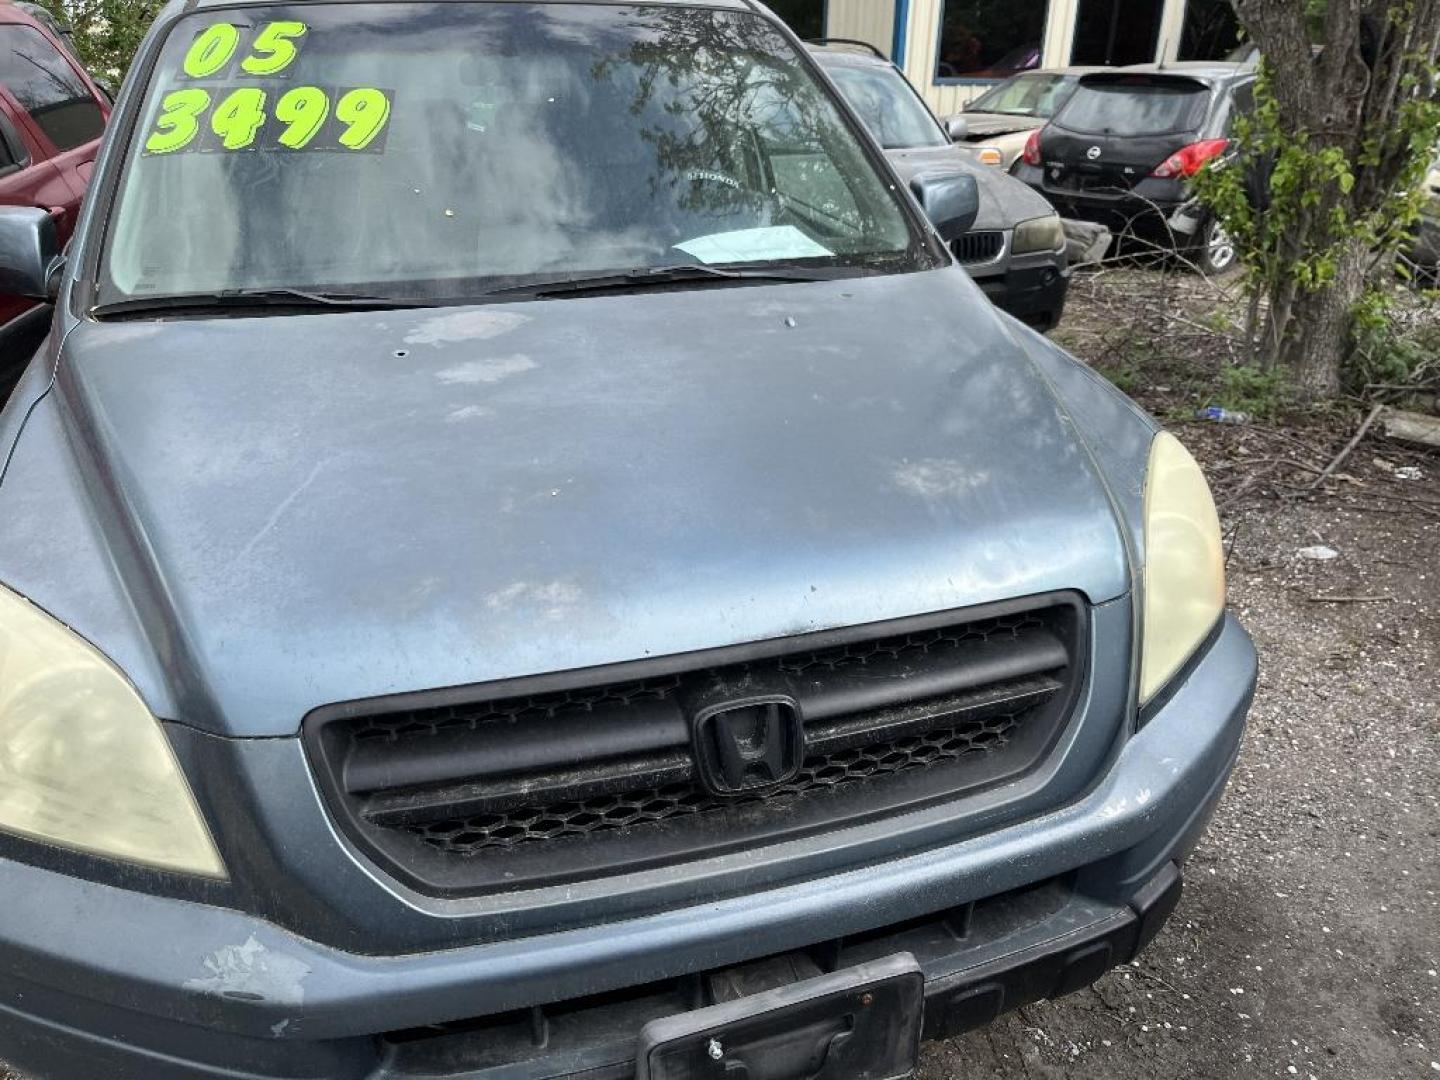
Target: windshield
x,y
1135,108
1025,95
895,116
439,149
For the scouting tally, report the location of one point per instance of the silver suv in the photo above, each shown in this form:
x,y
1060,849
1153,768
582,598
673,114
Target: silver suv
x,y
1016,249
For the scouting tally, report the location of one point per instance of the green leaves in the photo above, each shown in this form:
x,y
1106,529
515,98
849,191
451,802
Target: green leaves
x,y
1388,350
1326,192
106,32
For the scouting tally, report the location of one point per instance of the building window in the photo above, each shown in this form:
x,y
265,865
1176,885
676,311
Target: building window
x,y
1114,32
989,39
805,17
1211,30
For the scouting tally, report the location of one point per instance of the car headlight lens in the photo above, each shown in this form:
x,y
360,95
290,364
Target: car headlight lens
x,y
83,763
1184,564
1039,234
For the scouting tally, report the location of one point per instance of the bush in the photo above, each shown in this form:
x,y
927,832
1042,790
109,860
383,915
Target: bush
x,y
1246,388
1397,340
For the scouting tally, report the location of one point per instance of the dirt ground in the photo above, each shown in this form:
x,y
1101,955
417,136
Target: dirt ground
x,y
1308,940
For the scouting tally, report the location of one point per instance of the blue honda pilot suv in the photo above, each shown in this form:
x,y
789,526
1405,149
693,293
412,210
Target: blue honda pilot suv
x,y
523,555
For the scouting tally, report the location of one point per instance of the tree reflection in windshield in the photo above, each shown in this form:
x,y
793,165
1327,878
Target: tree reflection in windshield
x,y
749,134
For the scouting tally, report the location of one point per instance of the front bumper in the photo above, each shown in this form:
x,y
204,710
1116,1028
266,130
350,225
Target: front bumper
x,y
1033,294
104,981
1160,210
1031,287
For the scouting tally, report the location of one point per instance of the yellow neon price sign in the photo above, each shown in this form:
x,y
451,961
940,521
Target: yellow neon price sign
x,y
213,49
275,49
313,118
303,111
272,51
178,122
365,112
237,119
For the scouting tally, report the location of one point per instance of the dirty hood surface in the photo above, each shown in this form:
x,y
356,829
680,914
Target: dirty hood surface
x,y
314,508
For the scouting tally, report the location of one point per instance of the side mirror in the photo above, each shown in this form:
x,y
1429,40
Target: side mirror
x,y
30,258
958,128
950,200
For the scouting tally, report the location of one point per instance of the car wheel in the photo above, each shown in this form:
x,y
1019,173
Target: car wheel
x,y
1216,253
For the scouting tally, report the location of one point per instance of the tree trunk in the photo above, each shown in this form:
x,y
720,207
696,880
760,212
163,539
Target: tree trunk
x,y
1352,102
1316,344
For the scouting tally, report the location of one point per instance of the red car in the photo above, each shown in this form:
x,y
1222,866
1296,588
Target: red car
x,y
52,115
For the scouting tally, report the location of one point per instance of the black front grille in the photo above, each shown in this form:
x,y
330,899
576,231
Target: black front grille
x,y
978,247
393,727
547,821
537,782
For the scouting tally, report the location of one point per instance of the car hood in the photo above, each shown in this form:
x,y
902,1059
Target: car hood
x,y
314,508
988,125
1004,201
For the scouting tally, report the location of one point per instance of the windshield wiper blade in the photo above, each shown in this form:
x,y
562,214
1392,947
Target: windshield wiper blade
x,y
259,298
333,299
656,275
578,283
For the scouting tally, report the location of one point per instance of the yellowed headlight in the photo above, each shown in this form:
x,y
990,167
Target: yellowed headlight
x,y
1184,564
83,763
1039,234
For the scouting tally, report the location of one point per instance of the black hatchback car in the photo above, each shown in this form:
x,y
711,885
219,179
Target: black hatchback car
x,y
1123,149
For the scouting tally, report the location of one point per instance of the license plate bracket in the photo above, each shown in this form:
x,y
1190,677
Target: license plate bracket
x,y
859,1023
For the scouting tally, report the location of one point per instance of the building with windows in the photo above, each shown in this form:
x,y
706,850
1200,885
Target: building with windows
x,y
953,49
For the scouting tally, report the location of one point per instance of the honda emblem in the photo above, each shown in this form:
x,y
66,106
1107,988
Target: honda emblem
x,y
748,746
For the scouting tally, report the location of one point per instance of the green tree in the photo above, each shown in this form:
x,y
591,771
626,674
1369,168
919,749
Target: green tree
x,y
1326,186
106,33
